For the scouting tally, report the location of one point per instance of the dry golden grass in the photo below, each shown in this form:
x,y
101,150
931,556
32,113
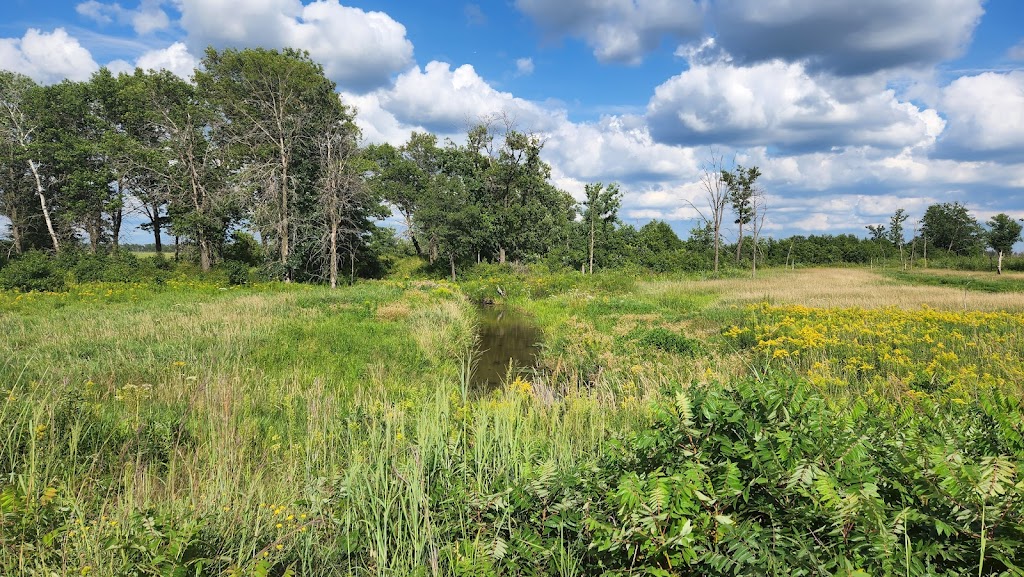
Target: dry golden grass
x,y
843,288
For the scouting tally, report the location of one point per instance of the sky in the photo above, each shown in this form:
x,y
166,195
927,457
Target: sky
x,y
851,109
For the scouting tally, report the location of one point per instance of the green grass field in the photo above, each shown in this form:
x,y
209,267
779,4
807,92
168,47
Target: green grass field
x,y
802,423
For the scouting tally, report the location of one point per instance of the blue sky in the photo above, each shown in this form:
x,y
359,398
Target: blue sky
x,y
851,109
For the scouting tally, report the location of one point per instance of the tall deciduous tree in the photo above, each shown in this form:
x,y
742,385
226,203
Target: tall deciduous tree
x,y
190,166
1003,233
951,227
742,195
896,232
600,213
345,202
20,128
716,193
274,105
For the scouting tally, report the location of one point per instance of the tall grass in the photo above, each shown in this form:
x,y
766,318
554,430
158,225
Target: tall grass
x,y
276,430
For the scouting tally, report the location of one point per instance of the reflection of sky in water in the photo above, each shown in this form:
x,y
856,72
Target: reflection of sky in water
x,y
504,335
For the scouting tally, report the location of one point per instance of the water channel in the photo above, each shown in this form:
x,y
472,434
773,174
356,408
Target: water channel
x,y
505,336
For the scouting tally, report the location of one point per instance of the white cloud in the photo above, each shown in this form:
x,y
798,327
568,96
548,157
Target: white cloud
x,y
780,104
358,49
617,148
524,66
377,124
148,17
985,116
175,58
450,101
47,57
617,30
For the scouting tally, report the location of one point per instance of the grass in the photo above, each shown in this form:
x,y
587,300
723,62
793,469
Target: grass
x,y
288,429
1008,282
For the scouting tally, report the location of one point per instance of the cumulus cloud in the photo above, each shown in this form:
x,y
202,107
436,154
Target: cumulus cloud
x,y
175,58
846,40
47,57
148,17
449,101
360,50
985,116
618,30
617,148
780,104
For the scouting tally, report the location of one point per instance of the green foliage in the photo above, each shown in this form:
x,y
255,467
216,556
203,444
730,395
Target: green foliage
x,y
121,267
663,339
1003,233
32,271
237,272
767,476
243,248
951,227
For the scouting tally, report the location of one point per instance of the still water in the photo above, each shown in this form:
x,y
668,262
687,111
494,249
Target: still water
x,y
505,336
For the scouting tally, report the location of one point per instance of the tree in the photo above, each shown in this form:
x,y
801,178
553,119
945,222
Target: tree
x,y
1003,233
951,227
344,198
18,94
273,105
896,235
742,194
189,165
70,136
601,212
716,192
403,176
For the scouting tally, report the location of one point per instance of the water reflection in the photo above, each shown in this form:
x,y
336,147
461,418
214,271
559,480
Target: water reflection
x,y
504,335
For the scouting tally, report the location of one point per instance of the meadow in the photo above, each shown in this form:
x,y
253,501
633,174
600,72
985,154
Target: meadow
x,y
807,422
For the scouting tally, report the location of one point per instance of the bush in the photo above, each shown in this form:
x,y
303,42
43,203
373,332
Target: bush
x,y
237,272
33,271
244,248
668,341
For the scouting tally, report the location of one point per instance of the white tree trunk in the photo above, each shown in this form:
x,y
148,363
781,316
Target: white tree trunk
x,y
41,192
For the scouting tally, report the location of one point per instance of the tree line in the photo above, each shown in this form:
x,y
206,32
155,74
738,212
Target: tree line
x,y
259,141
260,145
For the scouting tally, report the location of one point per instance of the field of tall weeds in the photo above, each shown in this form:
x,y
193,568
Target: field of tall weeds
x,y
672,427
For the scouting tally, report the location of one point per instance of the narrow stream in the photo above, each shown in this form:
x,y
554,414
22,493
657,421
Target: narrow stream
x,y
505,336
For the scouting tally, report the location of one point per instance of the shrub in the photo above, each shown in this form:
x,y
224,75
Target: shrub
x,y
668,341
237,272
33,271
244,248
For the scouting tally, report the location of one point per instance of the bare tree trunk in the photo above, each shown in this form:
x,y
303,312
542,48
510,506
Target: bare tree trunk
x,y
41,193
204,252
999,267
15,232
284,216
739,243
352,271
116,218
501,255
157,242
591,242
451,260
334,256
177,248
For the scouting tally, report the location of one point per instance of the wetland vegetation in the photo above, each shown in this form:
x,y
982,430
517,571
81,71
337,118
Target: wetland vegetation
x,y
819,421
